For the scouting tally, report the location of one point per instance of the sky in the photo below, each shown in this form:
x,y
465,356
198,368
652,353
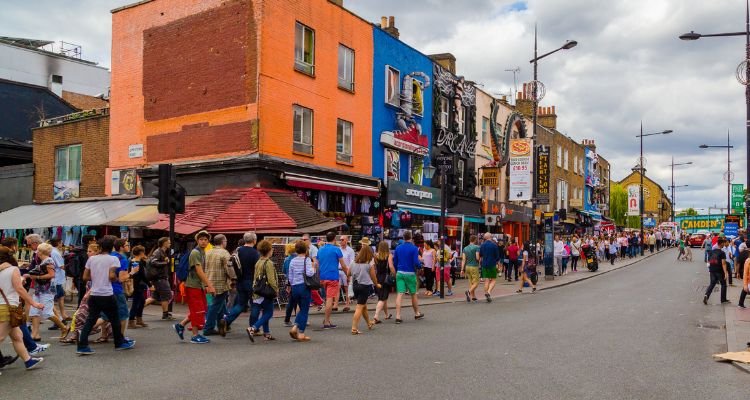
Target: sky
x,y
629,67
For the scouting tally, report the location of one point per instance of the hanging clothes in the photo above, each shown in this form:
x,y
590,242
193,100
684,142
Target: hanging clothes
x,y
365,209
348,204
322,201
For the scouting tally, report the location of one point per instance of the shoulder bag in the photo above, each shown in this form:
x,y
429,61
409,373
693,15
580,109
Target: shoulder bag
x,y
17,316
261,287
312,282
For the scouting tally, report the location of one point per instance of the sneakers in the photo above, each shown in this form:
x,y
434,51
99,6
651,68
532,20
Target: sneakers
x,y
40,348
84,351
332,326
705,299
222,327
741,306
180,331
468,298
488,297
167,317
450,293
8,360
126,345
725,301
199,339
33,363
288,324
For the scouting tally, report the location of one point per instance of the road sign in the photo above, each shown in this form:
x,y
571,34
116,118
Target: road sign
x,y
445,163
738,195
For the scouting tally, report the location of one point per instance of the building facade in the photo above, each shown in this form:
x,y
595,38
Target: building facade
x,y
656,204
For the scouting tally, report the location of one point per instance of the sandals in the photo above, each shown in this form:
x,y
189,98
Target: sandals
x,y
303,339
356,332
419,316
346,309
519,291
390,316
267,337
398,321
250,333
377,321
101,340
294,332
370,325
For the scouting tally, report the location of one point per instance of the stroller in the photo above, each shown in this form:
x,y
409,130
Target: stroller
x,y
589,256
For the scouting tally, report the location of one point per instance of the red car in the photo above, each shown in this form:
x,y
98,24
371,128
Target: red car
x,y
696,240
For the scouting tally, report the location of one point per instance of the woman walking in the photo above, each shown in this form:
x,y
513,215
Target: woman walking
x,y
383,270
565,258
575,252
44,292
299,267
137,272
262,310
428,259
363,276
528,269
11,294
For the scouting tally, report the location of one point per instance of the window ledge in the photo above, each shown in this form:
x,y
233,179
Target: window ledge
x,y
299,153
348,164
303,72
346,89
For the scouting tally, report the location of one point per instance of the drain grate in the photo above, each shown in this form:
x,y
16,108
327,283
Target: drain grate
x,y
711,325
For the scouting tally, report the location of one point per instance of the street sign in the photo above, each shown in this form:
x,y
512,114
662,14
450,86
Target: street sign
x,y
542,175
445,163
738,196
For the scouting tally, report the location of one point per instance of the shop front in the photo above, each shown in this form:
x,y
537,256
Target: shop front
x,y
507,218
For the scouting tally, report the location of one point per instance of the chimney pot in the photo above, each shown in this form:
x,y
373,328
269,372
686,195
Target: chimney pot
x,y
519,95
391,21
384,22
553,110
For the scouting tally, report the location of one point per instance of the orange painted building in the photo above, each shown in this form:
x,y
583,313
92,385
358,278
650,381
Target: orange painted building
x,y
238,85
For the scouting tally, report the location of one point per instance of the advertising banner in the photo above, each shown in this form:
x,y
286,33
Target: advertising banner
x,y
634,196
738,198
694,223
520,170
66,190
542,175
490,176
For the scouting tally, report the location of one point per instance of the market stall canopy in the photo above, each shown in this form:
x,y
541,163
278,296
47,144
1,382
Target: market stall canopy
x,y
145,214
82,212
249,209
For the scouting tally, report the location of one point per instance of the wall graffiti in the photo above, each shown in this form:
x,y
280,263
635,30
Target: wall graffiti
x,y
460,94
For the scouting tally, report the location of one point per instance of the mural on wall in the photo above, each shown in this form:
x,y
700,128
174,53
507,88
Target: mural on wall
x,y
500,148
460,94
408,135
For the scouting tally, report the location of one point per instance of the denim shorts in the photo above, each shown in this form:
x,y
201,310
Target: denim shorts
x,y
122,308
59,292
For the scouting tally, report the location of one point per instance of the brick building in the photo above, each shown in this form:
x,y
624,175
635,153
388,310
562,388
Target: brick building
x,y
656,204
62,147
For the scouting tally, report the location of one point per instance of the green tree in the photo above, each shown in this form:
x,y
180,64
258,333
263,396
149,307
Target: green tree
x,y
618,204
687,212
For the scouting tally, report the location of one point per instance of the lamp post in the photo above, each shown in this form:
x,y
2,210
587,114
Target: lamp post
x,y
642,171
537,96
743,76
672,186
728,176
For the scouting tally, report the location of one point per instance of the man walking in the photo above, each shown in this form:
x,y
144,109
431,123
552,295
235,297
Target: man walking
x,y
717,269
406,260
331,258
219,273
657,236
470,268
559,250
489,258
196,296
158,263
248,256
348,253
59,280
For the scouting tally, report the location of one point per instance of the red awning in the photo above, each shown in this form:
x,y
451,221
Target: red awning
x,y
308,182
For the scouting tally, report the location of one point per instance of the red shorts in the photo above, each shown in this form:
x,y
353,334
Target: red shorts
x,y
331,289
197,305
446,273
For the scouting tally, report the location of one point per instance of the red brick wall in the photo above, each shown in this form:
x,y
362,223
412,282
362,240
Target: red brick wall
x,y
198,63
202,139
93,135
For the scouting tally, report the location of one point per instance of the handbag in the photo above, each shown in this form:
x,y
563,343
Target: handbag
x,y
312,282
262,288
128,287
17,316
390,280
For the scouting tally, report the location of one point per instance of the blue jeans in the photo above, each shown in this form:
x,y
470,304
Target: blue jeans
x,y
244,292
216,310
28,341
265,309
300,298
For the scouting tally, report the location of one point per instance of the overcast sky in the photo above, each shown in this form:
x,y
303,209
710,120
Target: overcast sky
x,y
628,66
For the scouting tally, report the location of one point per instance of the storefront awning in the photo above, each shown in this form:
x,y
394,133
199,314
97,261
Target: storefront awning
x,y
315,183
74,213
478,220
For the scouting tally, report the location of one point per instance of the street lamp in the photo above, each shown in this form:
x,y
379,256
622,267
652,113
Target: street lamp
x,y
672,186
743,76
728,176
537,96
642,171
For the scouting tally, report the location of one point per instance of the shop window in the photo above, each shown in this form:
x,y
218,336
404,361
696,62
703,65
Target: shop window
x,y
344,141
417,167
304,49
392,165
392,86
68,163
303,130
559,156
443,112
346,68
417,98
460,175
485,133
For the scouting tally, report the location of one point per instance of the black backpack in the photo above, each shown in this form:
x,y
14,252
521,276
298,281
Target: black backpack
x,y
75,262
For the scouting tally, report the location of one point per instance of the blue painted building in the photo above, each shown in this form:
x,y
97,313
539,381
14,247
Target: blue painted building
x,y
402,111
592,184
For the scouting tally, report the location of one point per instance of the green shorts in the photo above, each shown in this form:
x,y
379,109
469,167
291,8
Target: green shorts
x,y
489,272
406,283
472,274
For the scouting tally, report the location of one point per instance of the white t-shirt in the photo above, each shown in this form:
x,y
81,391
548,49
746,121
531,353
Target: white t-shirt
x,y
6,283
348,253
99,266
559,248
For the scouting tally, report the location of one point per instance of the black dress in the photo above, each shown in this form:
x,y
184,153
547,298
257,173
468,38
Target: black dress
x,y
381,272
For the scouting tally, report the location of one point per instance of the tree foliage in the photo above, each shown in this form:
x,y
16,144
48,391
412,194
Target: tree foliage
x,y
687,212
618,203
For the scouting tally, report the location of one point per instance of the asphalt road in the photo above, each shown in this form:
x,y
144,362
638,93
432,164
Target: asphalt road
x,y
634,333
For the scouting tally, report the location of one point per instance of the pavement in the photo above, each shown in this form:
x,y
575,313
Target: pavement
x,y
640,332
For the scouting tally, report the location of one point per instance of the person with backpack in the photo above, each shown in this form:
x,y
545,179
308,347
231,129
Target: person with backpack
x,y
265,290
528,270
75,260
137,272
300,265
717,269
248,256
196,280
220,274
157,272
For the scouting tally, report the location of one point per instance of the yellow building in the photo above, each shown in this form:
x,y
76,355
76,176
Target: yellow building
x,y
656,202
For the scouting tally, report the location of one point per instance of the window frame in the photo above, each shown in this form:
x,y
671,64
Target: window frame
x,y
460,170
67,149
418,84
341,156
559,156
485,131
566,164
346,85
562,194
461,119
300,64
297,146
444,112
389,69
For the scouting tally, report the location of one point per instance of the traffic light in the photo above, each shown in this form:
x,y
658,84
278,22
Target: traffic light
x,y
452,191
170,194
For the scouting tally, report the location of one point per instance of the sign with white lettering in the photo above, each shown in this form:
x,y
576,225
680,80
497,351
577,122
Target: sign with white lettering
x,y
415,194
135,151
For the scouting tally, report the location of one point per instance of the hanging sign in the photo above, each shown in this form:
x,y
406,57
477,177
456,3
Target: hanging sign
x,y
633,198
542,175
520,170
491,176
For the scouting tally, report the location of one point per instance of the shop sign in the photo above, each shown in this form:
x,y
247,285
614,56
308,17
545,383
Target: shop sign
x,y
389,139
491,176
124,182
493,219
520,170
738,198
66,190
690,224
135,151
649,222
633,196
542,175
576,202
509,212
416,194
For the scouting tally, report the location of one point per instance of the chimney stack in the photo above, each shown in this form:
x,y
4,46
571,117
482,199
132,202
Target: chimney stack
x,y
389,26
55,84
339,3
446,60
547,117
